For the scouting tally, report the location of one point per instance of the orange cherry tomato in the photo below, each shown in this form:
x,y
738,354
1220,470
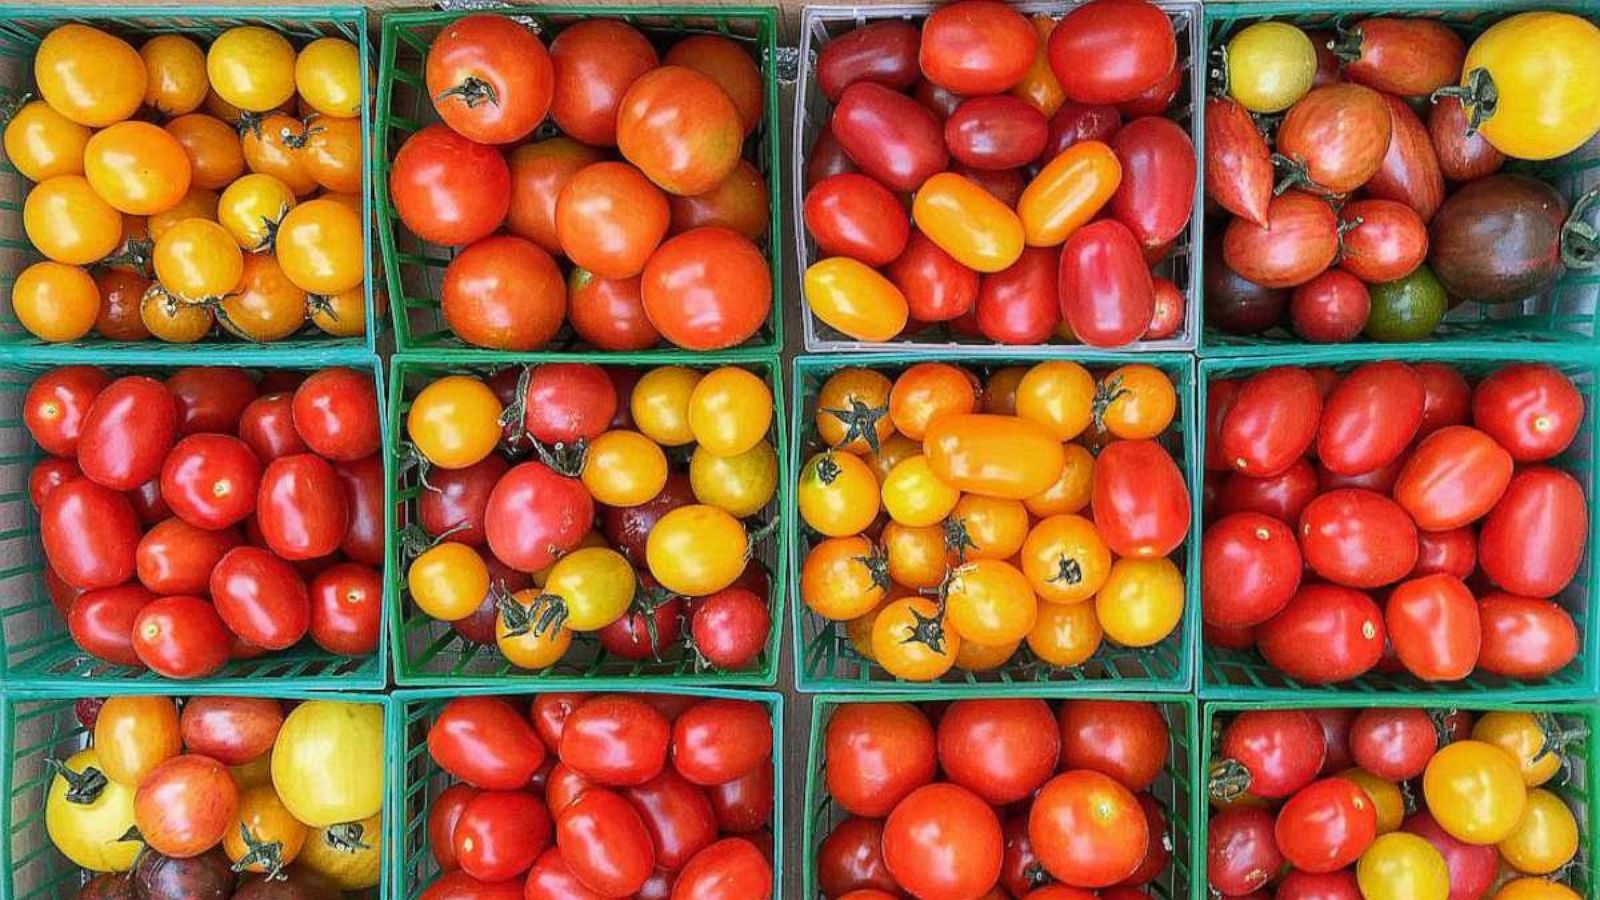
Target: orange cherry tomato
x,y
170,319
137,167
987,527
917,556
266,306
739,202
1065,634
968,222
927,391
912,641
1059,395
844,578
55,302
1065,559
897,449
852,298
43,143
272,147
1072,491
730,66
199,203
216,158
990,602
1039,88
997,456
1068,192
1136,401
853,410
331,153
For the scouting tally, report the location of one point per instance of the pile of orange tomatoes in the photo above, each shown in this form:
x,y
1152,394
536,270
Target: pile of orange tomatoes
x,y
241,208
951,516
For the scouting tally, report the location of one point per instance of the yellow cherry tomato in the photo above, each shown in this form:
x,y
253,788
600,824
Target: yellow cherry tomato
x,y
68,222
134,734
893,451
917,557
1058,395
216,158
1065,634
855,300
455,422
1072,489
55,302
175,70
519,642
1040,88
170,319
730,410
927,391
1068,192
997,456
341,315
327,75
199,203
1475,792
912,642
88,828
853,410
1270,66
273,145
624,468
1537,741
976,657
1535,889
266,838
331,154
1141,602
448,581
990,602
987,527
1136,401
197,259
266,306
589,539
138,168
742,485
594,586
321,248
252,208
89,76
1545,839
697,550
1386,798
660,404
1402,866
967,222
913,495
1532,84
251,67
327,763
43,143
837,494
1065,559
844,578
349,854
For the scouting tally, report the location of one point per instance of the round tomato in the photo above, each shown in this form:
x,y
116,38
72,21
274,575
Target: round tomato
x,y
1250,569
731,627
877,754
1241,853
700,306
594,64
1531,409
186,805
1087,829
336,414
1475,792
680,128
57,403
448,189
1326,826
993,747
1270,753
1126,740
943,842
1132,44
347,609
327,763
1370,417
490,79
211,480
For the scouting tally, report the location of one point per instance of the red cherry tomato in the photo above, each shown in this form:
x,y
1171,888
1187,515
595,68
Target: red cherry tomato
x,y
336,413
1449,398
101,622
1453,552
1269,423
1326,826
1370,417
1087,829
1270,753
605,842
568,402
937,288
730,628
485,742
1104,284
267,425
943,842
364,499
678,816
443,814
1525,637
889,136
490,78
699,305
1453,478
852,215
850,858
595,62
347,609
181,637
535,515
1140,500
90,535
261,598
1156,195
995,132
716,741
1075,122
210,398
877,754
1531,409
975,47
127,432
1326,634
615,740
883,52
1020,304
175,557
994,748
1126,740
56,404
1331,308
1393,744
1282,496
499,834
1241,853
301,507
1250,568
1533,540
211,480
448,189
1130,41
730,869
1358,538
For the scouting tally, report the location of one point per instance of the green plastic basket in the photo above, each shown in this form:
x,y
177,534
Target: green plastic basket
x,y
415,269
21,30
1235,675
1175,788
415,782
36,652
825,660
1566,312
1572,787
429,653
35,726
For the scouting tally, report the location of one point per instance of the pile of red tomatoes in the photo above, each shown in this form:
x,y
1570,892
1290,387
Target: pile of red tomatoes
x,y
660,244
180,187
1389,204
1394,518
211,516
602,795
1042,176
955,518
1392,804
567,499
983,798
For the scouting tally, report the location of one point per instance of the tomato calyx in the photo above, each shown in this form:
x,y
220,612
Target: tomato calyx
x,y
1580,241
473,91
1479,97
346,838
136,254
266,854
647,599
927,630
409,458
877,563
83,788
828,469
1105,394
1346,44
1556,738
546,612
860,421
307,131
1296,174
1068,571
1034,876
1228,780
957,539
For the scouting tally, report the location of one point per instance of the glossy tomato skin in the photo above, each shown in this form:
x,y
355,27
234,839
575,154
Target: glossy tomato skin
x,y
976,47
1104,285
181,637
852,215
490,78
1020,304
730,627
449,189
1531,409
1238,163
889,136
1241,854
336,413
499,834
458,885
347,608
1131,42
942,841
716,741
1140,499
678,816
127,432
1358,538
1472,867
90,534
56,404
594,64
1088,829
994,748
174,557
1383,240
533,515
877,754
699,305
1270,423
1409,172
1326,826
730,869
1453,478
267,425
1370,417
743,805
1325,634
605,842
458,500
681,128
615,740
1533,540
301,507
364,500
261,598
1338,134
101,622
1524,637
883,52
1281,750
1453,552
937,288
211,480
504,292
1282,496
850,858
1330,308
1464,153
1393,744
1299,240
1433,624
568,402
486,743
1250,569
1404,57
1449,397
995,132
1156,196
210,398
1125,740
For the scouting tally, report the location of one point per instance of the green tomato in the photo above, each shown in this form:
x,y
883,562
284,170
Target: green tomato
x,y
1408,309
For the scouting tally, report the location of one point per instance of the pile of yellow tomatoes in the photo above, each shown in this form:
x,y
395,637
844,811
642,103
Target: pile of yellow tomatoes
x,y
177,187
954,519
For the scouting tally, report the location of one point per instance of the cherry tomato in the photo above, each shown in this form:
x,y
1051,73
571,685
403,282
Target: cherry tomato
x,y
1241,853
850,858
1475,792
1123,739
1088,829
1385,240
1533,540
57,403
1532,410
678,816
267,425
943,842
127,432
595,63
261,598
1298,240
1250,569
852,215
730,628
877,754
448,189
175,557
883,52
1326,826
1454,477
1278,751
1337,136
719,740
680,128
499,834
301,507
1370,417
1140,500
889,136
90,535
211,480
615,741
1326,634
1131,42
1358,538
186,805
181,637
1393,744
486,743
993,748
490,79
1524,637
605,842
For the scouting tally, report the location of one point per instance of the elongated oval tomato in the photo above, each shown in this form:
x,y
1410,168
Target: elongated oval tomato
x,y
301,507
996,133
1140,500
851,215
1298,240
968,222
1370,417
1410,170
1336,135
1238,161
884,52
1270,423
1453,478
1405,57
1326,634
1433,625
889,136
1068,192
1106,292
1156,196
997,456
1524,637
1130,42
854,299
937,288
1534,538
1383,240
127,432
90,534
976,47
1358,538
